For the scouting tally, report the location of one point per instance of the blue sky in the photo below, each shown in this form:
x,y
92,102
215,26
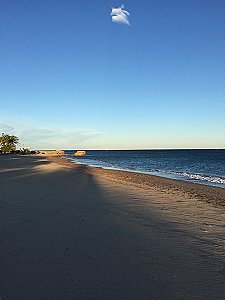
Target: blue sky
x,y
71,78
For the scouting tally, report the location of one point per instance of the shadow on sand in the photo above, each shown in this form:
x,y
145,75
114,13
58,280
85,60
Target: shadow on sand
x,y
62,237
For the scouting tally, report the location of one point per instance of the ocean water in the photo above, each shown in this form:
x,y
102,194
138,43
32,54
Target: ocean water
x,y
198,166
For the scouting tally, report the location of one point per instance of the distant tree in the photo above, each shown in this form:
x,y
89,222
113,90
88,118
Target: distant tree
x,y
8,143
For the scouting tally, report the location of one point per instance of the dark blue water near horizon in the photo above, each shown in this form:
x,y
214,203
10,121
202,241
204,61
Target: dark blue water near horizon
x,y
199,166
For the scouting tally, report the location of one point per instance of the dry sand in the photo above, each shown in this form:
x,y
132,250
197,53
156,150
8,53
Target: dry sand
x,y
74,232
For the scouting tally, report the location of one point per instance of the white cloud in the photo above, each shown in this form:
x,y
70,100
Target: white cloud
x,y
56,138
119,15
6,128
41,136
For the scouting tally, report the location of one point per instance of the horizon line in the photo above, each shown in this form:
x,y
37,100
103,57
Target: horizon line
x,y
134,149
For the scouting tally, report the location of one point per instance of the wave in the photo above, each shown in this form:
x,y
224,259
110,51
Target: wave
x,y
93,163
199,177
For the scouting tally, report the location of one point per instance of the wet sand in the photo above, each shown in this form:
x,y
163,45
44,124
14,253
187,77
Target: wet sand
x,y
74,232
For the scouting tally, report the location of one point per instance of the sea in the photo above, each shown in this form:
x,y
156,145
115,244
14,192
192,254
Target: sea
x,y
197,166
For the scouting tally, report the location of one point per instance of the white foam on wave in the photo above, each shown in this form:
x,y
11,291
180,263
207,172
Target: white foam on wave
x,y
93,163
198,177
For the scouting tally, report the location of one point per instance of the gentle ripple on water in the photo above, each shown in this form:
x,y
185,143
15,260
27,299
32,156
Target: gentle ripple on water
x,y
202,166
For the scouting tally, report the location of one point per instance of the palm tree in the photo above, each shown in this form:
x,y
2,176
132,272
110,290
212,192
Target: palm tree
x,y
8,143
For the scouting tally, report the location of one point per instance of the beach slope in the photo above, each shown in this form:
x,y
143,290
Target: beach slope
x,y
74,232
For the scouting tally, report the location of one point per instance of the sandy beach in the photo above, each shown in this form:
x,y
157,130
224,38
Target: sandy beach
x,y
70,231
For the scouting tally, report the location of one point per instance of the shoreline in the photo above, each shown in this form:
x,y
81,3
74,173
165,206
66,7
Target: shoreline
x,y
161,174
211,194
193,177
72,231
